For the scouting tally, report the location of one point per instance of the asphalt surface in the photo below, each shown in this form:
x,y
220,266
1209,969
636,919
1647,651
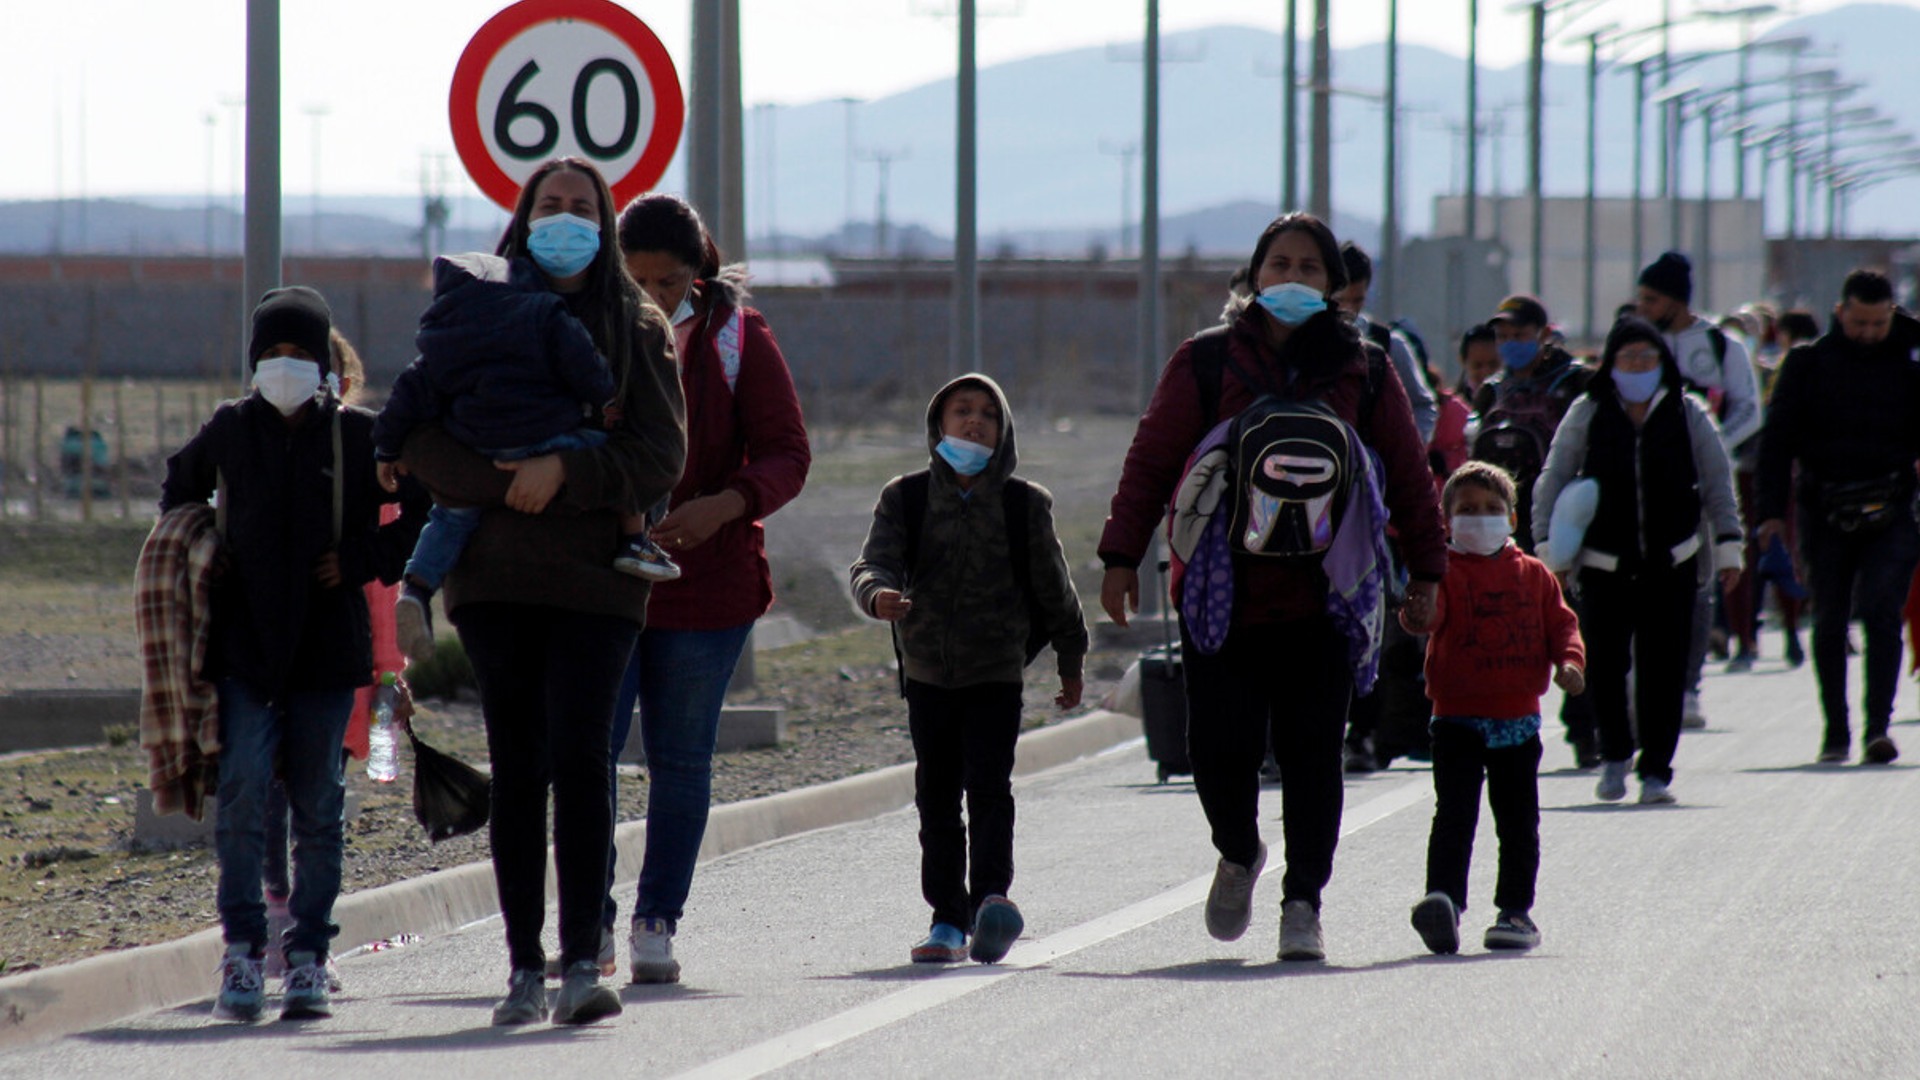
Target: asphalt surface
x,y
1759,928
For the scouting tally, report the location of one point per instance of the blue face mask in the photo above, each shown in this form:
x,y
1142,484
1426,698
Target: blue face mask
x,y
967,458
562,244
1292,303
1518,354
1636,387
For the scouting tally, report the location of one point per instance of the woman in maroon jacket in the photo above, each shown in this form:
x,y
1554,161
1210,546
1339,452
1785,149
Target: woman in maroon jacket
x,y
747,456
1283,674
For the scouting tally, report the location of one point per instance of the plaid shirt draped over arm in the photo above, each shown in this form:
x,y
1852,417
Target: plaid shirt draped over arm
x,y
172,597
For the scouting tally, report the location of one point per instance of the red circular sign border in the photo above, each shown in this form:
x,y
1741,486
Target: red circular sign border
x,y
510,23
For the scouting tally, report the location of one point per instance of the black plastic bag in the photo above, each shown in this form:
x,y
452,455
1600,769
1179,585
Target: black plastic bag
x,y
450,797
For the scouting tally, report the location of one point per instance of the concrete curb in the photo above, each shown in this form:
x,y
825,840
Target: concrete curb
x,y
104,989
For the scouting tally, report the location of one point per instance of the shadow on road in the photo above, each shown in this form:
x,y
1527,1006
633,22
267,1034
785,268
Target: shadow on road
x,y
1240,970
1626,807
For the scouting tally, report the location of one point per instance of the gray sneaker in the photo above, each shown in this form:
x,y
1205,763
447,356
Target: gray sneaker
x,y
1653,792
1300,932
526,1000
1438,921
243,990
582,999
1230,901
303,990
650,952
1613,782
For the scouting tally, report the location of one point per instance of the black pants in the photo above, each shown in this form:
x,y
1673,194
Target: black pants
x,y
1645,615
1288,683
963,739
1864,573
1576,710
1460,759
547,682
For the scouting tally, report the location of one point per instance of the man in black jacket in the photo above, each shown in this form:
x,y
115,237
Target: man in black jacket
x,y
1846,409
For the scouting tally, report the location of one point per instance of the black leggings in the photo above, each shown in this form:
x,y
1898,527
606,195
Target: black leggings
x,y
1641,620
548,679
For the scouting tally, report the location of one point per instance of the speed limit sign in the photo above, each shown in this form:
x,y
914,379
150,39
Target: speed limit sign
x,y
549,78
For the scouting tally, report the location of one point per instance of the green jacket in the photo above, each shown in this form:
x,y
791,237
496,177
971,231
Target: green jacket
x,y
969,623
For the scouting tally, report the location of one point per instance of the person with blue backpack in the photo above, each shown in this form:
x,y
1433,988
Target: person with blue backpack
x,y
1303,447
963,560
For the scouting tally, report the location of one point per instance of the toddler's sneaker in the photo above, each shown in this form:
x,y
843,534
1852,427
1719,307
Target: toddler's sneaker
x,y
650,952
944,944
996,926
1230,900
643,558
1613,782
526,999
1653,792
303,992
1438,922
1300,932
413,622
243,990
1512,930
582,999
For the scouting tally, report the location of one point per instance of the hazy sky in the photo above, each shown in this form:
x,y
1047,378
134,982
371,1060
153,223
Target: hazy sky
x,y
118,97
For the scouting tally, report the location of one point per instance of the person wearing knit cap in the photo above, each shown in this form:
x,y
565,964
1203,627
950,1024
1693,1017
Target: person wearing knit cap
x,y
287,638
1717,367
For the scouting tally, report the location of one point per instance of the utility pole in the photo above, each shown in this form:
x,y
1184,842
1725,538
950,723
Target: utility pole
x,y
1590,242
1536,64
262,261
963,353
706,108
1320,186
1150,210
1290,114
1127,153
732,233
1390,216
1473,119
317,113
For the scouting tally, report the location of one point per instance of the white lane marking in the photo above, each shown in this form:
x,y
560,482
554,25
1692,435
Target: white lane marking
x,y
782,1050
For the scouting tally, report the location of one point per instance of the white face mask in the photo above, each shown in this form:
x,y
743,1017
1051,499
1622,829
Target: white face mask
x,y
287,382
1481,534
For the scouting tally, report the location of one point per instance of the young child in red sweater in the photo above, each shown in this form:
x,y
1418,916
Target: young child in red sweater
x,y
1499,627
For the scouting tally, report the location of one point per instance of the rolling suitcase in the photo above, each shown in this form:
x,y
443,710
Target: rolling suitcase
x,y
1163,703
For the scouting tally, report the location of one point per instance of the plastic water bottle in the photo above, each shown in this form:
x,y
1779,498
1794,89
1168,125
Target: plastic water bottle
x,y
383,751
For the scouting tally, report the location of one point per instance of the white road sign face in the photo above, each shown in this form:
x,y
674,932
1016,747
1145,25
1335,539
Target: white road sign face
x,y
580,78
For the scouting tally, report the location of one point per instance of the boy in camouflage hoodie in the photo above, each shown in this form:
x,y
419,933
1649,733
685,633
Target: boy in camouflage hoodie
x,y
963,621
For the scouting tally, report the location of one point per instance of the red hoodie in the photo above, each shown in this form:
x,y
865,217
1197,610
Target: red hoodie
x,y
1499,629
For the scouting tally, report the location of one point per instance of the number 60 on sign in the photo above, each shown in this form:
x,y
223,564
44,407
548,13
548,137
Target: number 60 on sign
x,y
550,78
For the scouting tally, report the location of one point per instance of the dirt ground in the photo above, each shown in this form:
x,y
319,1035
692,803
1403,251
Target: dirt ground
x,y
71,884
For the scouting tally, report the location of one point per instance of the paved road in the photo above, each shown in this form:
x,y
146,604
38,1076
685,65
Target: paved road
x,y
1761,928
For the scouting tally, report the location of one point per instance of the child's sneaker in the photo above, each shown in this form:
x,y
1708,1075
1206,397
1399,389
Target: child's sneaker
x,y
413,622
996,926
650,952
303,992
643,558
243,990
1438,922
1512,930
944,944
1653,792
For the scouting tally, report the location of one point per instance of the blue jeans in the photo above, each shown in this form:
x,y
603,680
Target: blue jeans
x,y
680,679
448,529
303,733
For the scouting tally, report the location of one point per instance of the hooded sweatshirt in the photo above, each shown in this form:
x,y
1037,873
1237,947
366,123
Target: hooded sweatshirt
x,y
969,623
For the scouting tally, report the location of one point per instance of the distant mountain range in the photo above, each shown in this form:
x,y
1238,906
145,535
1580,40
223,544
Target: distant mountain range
x,y
1051,179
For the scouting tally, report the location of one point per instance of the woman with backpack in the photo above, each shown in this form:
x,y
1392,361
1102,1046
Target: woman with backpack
x,y
1285,667
1640,554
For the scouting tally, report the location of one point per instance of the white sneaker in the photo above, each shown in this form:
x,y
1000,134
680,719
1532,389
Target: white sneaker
x,y
243,990
1613,782
650,952
1230,900
413,627
1653,792
1691,717
1300,932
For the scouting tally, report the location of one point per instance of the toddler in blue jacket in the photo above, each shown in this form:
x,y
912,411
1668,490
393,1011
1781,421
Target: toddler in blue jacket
x,y
510,372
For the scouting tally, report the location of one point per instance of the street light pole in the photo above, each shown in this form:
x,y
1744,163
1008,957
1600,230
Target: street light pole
x,y
1290,114
262,261
317,113
964,355
1593,113
1639,164
1150,210
1320,187
1390,218
1536,64
1473,119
